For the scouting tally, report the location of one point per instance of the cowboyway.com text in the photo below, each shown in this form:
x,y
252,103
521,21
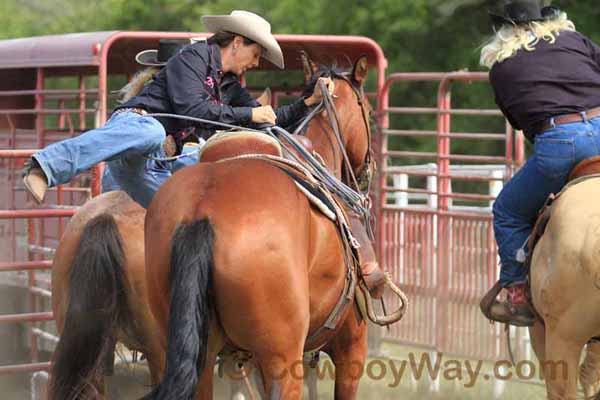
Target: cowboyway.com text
x,y
429,366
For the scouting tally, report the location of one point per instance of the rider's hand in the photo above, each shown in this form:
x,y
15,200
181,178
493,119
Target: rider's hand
x,y
264,115
317,96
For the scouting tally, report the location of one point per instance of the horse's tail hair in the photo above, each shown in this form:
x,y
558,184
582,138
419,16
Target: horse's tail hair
x,y
189,313
97,302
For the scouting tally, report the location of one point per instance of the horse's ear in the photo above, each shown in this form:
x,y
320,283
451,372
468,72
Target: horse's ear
x,y
360,70
265,98
308,66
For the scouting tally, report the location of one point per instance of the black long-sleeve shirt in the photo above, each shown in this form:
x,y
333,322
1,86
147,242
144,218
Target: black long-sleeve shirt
x,y
555,79
191,85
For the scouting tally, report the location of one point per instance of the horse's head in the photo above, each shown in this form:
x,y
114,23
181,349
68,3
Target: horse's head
x,y
351,115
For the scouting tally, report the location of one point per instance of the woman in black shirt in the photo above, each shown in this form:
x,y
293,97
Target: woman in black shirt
x,y
546,80
189,85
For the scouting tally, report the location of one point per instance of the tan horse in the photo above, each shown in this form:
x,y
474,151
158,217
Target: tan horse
x,y
99,296
565,285
236,254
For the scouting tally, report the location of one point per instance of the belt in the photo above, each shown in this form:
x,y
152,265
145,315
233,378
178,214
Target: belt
x,y
568,118
136,110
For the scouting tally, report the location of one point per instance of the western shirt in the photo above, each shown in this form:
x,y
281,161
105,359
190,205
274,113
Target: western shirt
x,y
193,84
555,79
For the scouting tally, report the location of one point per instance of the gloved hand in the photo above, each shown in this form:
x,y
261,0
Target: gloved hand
x,y
316,95
264,114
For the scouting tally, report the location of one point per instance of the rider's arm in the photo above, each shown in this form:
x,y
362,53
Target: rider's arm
x,y
186,77
286,115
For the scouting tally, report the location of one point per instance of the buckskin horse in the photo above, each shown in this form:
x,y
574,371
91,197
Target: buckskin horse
x,y
236,256
565,287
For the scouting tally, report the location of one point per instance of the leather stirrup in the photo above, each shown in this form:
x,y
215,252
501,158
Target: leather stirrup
x,y
490,297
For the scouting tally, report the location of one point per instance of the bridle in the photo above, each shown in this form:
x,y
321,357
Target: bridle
x,y
362,183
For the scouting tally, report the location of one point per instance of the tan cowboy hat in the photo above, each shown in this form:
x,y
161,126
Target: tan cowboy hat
x,y
251,26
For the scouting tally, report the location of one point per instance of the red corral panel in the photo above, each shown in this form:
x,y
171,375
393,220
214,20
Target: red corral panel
x,y
436,238
55,87
88,49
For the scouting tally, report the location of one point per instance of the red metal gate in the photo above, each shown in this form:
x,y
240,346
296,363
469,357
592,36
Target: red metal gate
x,y
54,87
34,116
439,243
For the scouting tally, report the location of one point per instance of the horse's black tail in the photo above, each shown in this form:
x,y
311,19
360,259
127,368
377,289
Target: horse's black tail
x,y
189,314
97,302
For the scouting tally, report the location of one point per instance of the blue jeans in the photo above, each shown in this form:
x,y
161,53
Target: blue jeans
x,y
141,177
556,152
123,141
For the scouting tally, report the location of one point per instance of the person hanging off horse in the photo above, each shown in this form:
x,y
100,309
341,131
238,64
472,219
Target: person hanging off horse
x,y
186,142
546,80
189,85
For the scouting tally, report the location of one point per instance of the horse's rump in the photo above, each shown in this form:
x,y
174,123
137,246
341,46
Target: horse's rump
x,y
267,237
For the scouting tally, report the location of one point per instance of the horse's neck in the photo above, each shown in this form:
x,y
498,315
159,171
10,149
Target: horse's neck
x,y
327,146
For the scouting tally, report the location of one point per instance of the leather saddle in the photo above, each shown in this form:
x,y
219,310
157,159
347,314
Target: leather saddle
x,y
233,144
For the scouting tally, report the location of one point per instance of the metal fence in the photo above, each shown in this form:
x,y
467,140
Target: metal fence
x,y
437,242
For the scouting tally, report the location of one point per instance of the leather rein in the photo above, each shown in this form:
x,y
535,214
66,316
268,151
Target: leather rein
x,y
364,180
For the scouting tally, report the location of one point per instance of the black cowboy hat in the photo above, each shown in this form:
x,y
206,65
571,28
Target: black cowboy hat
x,y
167,48
518,12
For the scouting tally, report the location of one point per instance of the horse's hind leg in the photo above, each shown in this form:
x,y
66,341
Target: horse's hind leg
x,y
561,366
282,373
155,354
537,334
348,350
590,370
216,342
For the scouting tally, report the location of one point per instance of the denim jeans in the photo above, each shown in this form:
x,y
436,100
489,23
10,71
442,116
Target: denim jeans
x,y
556,152
141,177
123,142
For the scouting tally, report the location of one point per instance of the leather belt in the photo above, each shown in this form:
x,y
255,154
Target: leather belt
x,y
136,110
569,118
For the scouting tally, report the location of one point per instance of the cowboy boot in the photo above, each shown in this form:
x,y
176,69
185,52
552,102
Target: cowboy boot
x,y
35,180
514,310
372,275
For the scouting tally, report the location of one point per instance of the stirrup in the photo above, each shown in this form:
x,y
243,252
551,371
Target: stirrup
x,y
509,316
365,303
488,300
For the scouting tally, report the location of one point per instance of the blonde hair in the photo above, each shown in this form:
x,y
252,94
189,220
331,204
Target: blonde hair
x,y
511,38
136,84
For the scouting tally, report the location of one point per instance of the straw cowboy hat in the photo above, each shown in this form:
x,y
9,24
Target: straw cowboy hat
x,y
167,48
251,26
